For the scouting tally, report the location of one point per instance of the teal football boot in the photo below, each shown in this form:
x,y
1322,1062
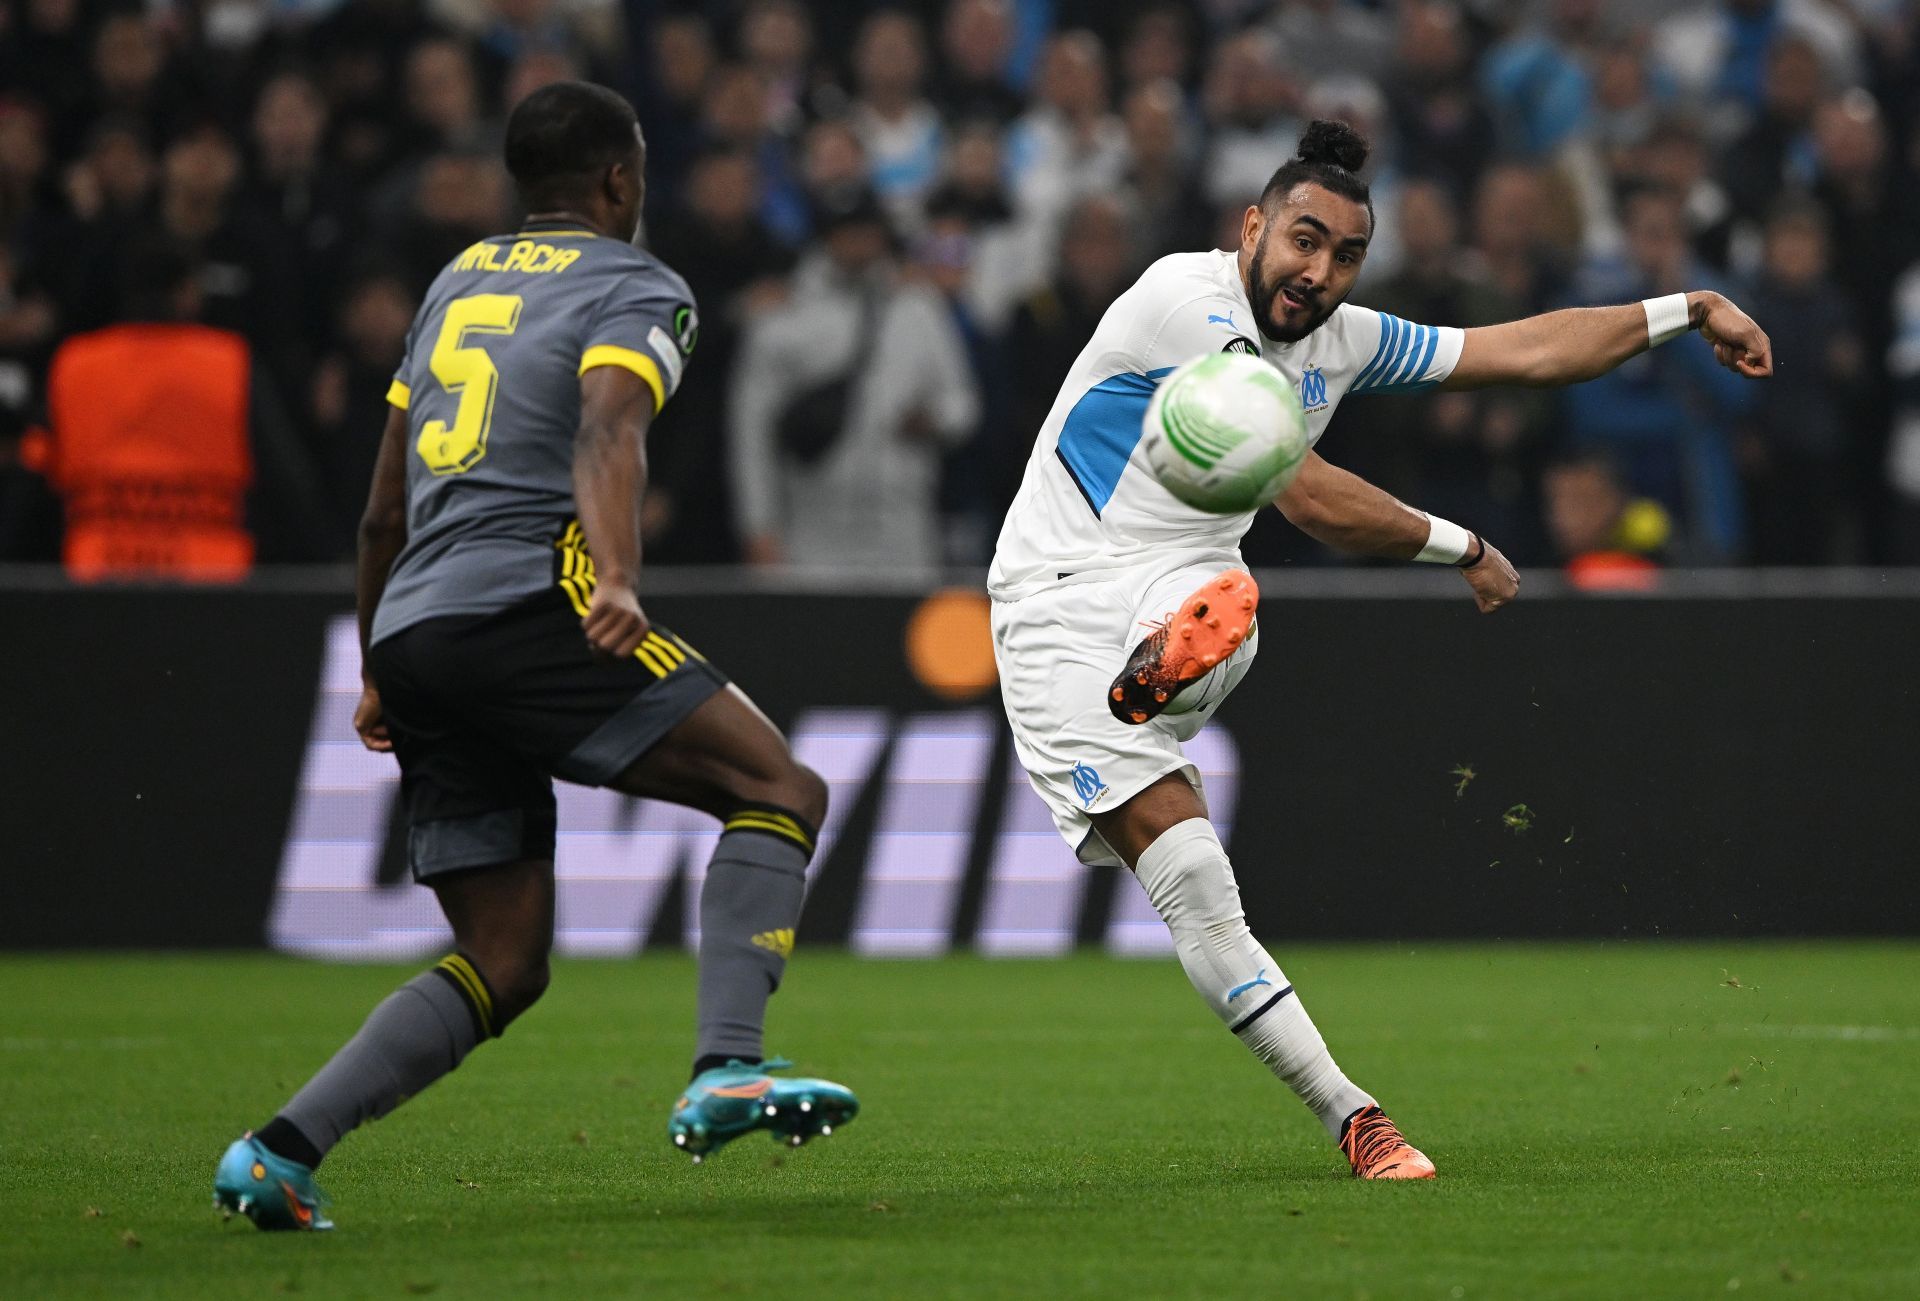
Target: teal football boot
x,y
723,1103
270,1190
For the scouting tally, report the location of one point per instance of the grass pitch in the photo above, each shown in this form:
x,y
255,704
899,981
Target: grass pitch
x,y
1609,1121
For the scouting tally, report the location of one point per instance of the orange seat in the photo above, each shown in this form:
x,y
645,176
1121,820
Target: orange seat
x,y
150,452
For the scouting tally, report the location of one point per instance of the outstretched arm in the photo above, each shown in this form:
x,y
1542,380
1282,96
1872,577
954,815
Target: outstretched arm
x,y
1349,514
1580,343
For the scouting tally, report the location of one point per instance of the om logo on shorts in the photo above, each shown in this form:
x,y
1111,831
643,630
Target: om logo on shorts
x,y
1087,785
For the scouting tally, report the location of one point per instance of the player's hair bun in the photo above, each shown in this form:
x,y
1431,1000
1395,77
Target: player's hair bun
x,y
1335,144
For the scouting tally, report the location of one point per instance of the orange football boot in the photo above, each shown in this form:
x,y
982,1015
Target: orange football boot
x,y
1376,1149
1209,626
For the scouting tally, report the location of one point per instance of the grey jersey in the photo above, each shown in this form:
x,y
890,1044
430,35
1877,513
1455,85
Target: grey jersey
x,y
491,388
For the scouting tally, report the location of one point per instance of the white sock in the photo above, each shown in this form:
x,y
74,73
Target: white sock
x,y
1190,881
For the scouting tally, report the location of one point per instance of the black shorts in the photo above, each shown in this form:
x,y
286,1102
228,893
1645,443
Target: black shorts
x,y
485,710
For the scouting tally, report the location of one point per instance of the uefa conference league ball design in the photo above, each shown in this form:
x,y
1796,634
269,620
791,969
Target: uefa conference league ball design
x,y
1225,433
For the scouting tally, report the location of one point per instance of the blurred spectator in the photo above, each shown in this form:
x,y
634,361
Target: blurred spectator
x,y
1470,455
1442,127
459,198
1540,83
944,259
1796,457
1348,39
1158,48
1163,177
1873,213
1510,241
1003,260
1776,148
128,60
735,116
719,243
110,194
1070,143
244,282
1607,540
673,61
1719,52
303,206
1250,105
898,127
843,401
1097,260
977,38
44,60
1674,156
776,41
1667,416
349,398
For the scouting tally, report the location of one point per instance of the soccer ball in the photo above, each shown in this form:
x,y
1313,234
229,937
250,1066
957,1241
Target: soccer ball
x,y
1225,433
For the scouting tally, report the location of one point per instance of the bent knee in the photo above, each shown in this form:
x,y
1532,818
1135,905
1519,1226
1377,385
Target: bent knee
x,y
808,796
516,981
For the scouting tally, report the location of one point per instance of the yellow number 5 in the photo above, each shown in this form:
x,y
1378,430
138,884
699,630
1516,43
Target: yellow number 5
x,y
469,372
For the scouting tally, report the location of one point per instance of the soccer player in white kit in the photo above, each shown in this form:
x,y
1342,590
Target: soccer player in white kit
x,y
1094,552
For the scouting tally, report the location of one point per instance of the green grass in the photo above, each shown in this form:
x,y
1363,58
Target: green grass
x,y
1609,1121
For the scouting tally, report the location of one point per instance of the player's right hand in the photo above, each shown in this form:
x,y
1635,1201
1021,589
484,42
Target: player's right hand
x,y
1492,579
370,722
614,625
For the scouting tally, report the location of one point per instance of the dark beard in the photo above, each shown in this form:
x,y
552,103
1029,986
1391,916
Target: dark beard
x,y
1260,296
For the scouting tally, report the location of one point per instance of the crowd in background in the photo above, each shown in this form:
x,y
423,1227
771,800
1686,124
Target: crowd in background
x,y
902,224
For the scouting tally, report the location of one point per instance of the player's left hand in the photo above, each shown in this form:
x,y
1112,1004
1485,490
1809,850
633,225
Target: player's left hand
x,y
370,722
1492,579
615,625
1738,343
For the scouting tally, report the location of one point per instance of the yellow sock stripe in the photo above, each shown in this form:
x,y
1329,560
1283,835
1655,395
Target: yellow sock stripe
x,y
681,642
476,989
786,820
760,822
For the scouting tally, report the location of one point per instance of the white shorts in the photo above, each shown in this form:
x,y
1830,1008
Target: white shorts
x,y
1059,651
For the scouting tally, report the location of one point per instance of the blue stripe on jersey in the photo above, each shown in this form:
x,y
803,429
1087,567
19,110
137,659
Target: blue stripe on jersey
x,y
1364,380
1102,430
1400,363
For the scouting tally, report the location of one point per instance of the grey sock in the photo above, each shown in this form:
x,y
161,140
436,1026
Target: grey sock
x,y
748,908
418,1033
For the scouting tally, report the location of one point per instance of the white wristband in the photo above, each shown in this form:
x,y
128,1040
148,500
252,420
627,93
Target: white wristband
x,y
1667,318
1447,542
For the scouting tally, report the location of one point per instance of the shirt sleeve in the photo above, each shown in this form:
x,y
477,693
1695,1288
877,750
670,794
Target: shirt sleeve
x,y
1196,327
647,325
1404,357
400,392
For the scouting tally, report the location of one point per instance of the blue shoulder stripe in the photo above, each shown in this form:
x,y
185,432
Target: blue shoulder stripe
x,y
1101,431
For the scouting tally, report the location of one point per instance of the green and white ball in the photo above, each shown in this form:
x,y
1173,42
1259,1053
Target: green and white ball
x,y
1225,433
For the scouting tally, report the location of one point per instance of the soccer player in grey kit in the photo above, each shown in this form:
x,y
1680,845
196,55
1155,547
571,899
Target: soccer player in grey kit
x,y
504,646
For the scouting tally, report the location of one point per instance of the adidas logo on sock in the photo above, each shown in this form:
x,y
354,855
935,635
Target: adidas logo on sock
x,y
780,941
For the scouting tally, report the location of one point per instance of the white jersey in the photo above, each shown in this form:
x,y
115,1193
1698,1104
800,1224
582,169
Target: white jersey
x,y
1089,502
